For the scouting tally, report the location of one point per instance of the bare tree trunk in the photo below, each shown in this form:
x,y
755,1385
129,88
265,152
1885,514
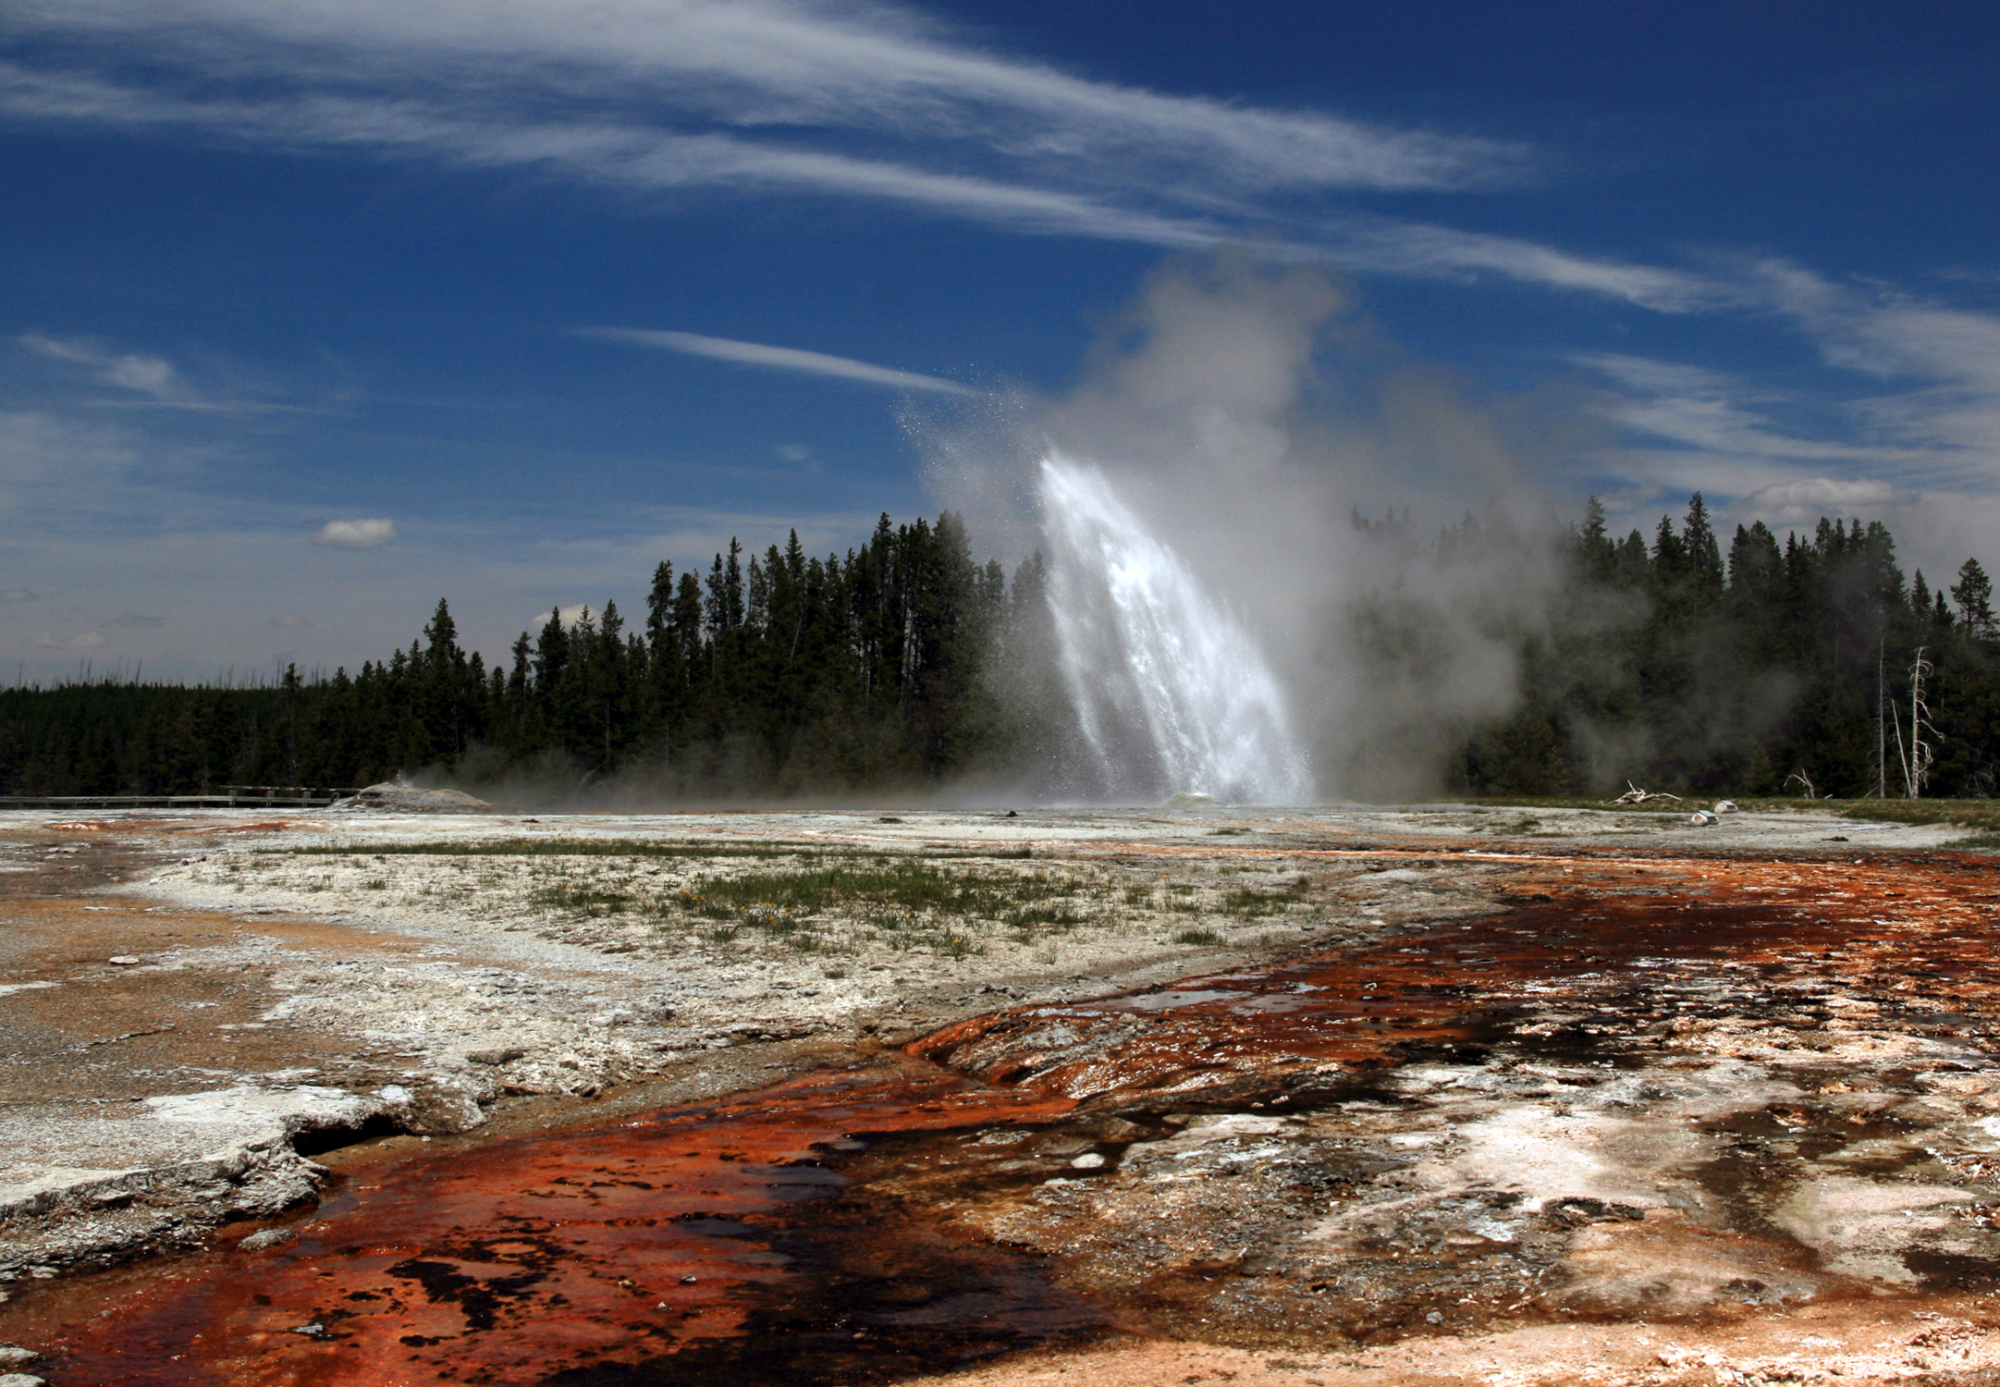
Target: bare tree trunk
x,y
1881,730
1917,761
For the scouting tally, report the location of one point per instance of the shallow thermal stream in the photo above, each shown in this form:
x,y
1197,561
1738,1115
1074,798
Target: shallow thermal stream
x,y
1484,1122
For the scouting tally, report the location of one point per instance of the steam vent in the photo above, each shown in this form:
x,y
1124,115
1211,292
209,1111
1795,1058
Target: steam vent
x,y
1438,1095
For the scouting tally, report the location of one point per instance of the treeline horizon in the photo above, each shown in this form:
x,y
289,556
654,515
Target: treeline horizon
x,y
905,665
1812,668
775,675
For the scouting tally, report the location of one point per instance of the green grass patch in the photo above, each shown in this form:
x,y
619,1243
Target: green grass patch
x,y
585,900
1265,900
911,886
1197,936
902,898
1042,917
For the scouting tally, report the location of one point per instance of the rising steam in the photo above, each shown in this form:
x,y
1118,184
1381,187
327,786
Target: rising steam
x,y
1222,624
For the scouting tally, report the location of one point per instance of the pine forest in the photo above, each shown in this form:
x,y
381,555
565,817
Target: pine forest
x,y
1805,665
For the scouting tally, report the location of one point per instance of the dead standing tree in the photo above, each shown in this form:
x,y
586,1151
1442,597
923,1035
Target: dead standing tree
x,y
1917,758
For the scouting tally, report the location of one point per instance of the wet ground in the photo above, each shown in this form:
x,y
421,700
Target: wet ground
x,y
1664,1113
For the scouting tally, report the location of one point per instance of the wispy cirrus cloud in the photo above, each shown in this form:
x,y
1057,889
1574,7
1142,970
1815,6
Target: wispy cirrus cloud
x,y
1715,412
798,97
145,379
1934,369
1404,248
145,375
780,359
861,69
1917,441
872,103
40,447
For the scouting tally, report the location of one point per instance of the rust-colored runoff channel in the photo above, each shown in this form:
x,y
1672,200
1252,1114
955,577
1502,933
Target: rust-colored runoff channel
x,y
739,1242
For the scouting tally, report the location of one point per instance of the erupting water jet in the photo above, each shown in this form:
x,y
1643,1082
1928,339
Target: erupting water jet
x,y
1172,693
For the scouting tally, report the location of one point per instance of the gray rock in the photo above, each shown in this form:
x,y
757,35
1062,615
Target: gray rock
x,y
500,1054
14,1356
438,1104
22,1380
266,1238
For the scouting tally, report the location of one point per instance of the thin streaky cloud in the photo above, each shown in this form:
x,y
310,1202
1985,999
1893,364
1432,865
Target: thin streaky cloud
x,y
780,359
146,375
634,156
1946,359
1415,249
150,382
861,68
603,150
1709,410
875,103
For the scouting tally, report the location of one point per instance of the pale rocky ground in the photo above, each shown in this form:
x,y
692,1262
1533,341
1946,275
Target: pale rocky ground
x,y
418,990
187,1001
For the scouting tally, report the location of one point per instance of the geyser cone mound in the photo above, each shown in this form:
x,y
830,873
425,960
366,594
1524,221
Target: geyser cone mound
x,y
1171,691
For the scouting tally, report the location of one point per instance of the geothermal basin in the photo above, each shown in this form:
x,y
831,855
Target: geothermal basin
x,y
1445,1095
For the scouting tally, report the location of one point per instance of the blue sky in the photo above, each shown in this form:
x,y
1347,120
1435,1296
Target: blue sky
x,y
313,311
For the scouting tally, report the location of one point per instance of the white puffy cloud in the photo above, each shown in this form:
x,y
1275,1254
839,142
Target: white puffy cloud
x,y
356,534
1803,502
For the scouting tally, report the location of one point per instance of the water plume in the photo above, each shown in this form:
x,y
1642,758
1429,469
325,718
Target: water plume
x,y
1239,422
1171,692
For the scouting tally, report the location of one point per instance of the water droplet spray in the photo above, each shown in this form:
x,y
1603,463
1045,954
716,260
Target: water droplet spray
x,y
1172,693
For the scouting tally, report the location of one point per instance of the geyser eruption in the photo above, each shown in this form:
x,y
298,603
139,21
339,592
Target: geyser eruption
x,y
1171,692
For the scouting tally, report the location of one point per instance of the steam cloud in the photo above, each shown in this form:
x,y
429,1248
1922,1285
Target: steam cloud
x,y
1244,416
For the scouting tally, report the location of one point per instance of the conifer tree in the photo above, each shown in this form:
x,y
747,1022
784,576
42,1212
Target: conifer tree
x,y
1973,592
